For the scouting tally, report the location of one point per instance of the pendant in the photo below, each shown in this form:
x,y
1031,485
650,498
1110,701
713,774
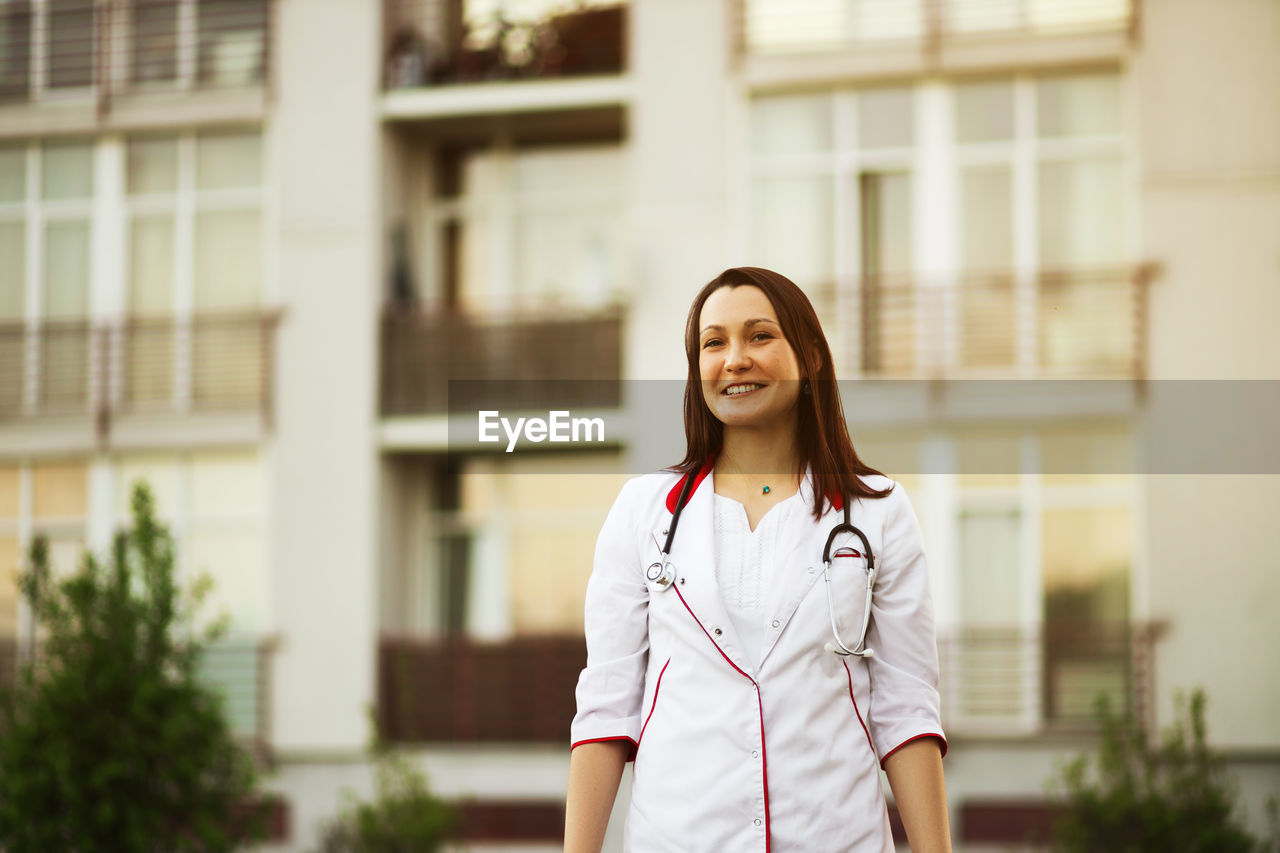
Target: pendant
x,y
765,490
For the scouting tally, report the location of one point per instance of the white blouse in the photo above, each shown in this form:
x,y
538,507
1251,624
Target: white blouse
x,y
747,564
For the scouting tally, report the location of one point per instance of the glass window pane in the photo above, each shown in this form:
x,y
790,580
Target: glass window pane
x,y
991,590
15,50
160,473
151,265
67,170
1066,15
1078,105
1081,215
9,497
774,25
13,270
13,171
60,490
70,43
227,484
234,561
887,19
886,222
152,165
10,555
886,118
155,40
232,38
228,259
986,218
228,160
66,269
984,111
791,124
792,227
969,16
1086,559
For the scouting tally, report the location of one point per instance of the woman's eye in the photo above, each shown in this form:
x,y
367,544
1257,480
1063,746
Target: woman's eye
x,y
710,342
758,335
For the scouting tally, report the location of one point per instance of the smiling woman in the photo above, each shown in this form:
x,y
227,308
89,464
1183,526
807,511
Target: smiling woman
x,y
720,665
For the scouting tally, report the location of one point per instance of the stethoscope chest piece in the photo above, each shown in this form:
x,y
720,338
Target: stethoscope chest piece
x,y
661,574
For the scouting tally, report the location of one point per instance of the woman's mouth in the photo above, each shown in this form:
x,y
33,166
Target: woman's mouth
x,y
739,390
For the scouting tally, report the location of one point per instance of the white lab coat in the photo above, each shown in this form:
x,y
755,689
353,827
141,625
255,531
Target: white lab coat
x,y
777,754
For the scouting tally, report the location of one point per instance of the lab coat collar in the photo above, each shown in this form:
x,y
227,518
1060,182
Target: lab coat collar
x,y
694,558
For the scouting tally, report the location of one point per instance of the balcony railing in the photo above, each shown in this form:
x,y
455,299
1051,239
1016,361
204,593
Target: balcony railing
x,y
774,27
568,360
998,681
1060,323
1046,678
235,668
111,48
206,363
431,42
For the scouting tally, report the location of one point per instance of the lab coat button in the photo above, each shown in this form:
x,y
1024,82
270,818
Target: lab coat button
x,y
717,631
776,623
757,821
811,570
755,753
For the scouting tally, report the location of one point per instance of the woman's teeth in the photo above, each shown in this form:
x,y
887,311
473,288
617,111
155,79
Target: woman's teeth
x,y
741,389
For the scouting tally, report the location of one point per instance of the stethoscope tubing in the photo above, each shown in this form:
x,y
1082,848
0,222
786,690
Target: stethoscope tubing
x,y
662,575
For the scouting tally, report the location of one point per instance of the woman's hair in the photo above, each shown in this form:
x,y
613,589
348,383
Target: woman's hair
x,y
822,437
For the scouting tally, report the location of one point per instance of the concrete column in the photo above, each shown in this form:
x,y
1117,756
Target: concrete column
x,y
324,462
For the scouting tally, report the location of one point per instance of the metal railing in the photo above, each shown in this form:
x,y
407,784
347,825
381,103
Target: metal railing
x,y
1085,323
779,27
430,42
235,668
998,681
523,360
123,47
206,363
1046,678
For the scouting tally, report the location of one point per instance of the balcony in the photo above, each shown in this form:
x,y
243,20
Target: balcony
x,y
439,42
67,63
781,41
100,381
1001,682
1070,323
235,668
527,360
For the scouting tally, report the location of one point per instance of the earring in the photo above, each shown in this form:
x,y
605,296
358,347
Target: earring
x,y
804,388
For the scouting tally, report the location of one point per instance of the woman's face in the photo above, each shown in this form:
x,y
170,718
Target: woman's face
x,y
750,374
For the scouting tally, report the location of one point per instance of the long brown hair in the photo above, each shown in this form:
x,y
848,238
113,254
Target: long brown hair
x,y
822,436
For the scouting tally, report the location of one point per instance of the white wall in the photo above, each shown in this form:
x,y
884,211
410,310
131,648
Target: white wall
x,y
1206,79
325,461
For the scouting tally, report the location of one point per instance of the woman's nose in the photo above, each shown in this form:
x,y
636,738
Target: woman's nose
x,y
737,357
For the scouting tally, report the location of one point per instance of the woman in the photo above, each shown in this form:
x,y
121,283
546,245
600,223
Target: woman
x,y
751,725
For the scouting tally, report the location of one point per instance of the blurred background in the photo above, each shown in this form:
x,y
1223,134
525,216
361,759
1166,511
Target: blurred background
x,y
245,245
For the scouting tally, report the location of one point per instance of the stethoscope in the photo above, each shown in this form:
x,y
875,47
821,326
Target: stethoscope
x,y
661,575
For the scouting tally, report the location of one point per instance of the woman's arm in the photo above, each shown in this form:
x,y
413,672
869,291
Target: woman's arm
x,y
594,772
915,774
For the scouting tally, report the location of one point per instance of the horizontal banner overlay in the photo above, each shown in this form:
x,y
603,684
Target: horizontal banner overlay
x,y
996,427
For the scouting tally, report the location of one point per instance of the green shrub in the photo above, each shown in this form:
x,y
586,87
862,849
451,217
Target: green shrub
x,y
404,816
1173,797
108,741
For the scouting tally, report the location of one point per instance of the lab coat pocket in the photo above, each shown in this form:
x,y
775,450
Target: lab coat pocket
x,y
653,705
848,592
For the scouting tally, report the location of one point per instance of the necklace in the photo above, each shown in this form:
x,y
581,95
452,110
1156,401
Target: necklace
x,y
765,490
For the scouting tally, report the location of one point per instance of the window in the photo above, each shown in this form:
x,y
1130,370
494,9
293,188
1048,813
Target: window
x,y
530,229
194,266
150,44
977,227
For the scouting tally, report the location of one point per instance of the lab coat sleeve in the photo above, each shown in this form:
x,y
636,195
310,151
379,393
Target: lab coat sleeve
x,y
905,702
611,687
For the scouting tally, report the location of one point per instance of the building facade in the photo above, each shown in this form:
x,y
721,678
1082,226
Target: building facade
x,y
266,255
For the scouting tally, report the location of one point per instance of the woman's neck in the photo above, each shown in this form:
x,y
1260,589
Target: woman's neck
x,y
755,454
